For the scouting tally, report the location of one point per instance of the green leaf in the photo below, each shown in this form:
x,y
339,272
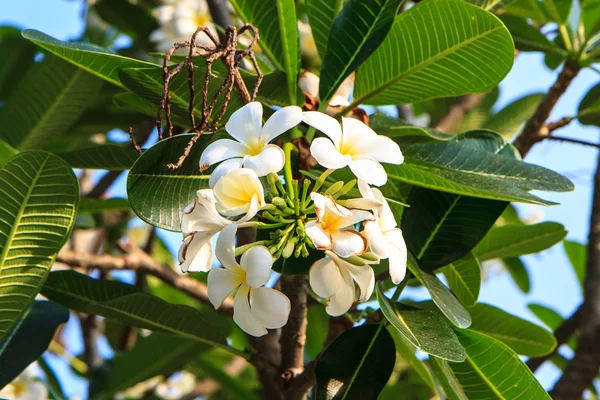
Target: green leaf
x,y
577,254
89,205
548,316
17,58
46,102
157,354
443,227
528,37
102,156
395,128
464,279
277,25
171,190
461,49
531,9
6,152
358,374
321,14
29,338
408,352
490,5
590,16
37,210
126,303
318,321
133,19
522,336
441,295
508,121
589,108
91,58
517,240
356,33
426,330
518,273
52,383
127,102
447,379
493,370
466,165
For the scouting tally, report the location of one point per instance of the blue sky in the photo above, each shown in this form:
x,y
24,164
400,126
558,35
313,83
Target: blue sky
x,y
553,282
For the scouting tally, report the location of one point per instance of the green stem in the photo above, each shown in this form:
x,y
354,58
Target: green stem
x,y
262,225
242,249
287,169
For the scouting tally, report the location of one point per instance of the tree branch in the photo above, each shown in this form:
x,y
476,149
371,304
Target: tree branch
x,y
535,129
458,111
583,367
562,334
575,141
137,260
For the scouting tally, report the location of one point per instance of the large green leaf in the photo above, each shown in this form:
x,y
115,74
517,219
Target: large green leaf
x,y
277,25
589,108
46,102
29,338
517,240
356,33
94,59
441,295
37,210
493,371
464,279
157,354
490,5
426,330
321,14
358,374
508,121
529,38
522,336
126,303
171,190
577,254
460,49
465,165
518,272
17,58
443,227
103,156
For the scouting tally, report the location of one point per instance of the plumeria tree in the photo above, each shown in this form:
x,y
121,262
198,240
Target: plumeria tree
x,y
303,205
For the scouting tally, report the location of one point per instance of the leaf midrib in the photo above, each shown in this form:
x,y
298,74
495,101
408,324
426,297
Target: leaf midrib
x,y
507,337
459,276
438,226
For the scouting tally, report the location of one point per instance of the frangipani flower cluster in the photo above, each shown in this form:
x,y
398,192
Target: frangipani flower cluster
x,y
300,217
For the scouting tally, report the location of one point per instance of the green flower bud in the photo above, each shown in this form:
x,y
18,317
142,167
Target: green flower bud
x,y
334,188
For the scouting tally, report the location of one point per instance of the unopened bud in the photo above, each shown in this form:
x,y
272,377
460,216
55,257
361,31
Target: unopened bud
x,y
278,201
298,250
300,230
288,249
269,207
356,260
334,188
369,257
346,188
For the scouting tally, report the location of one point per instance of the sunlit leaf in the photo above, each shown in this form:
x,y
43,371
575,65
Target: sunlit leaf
x,y
464,279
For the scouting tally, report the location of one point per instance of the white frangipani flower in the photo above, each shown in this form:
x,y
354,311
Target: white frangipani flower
x,y
200,222
239,192
332,278
26,386
356,146
178,20
256,308
385,238
252,149
334,227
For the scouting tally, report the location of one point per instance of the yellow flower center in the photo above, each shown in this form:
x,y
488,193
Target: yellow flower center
x,y
201,19
330,222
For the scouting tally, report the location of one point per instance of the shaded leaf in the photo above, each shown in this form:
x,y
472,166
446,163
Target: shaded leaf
x,y
424,329
318,323
17,58
522,336
517,240
102,156
464,279
518,273
528,37
408,353
91,205
358,374
29,338
46,102
447,379
321,14
589,108
357,31
461,49
37,211
508,121
6,152
132,102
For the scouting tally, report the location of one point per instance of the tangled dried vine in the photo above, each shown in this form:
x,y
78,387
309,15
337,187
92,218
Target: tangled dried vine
x,y
231,57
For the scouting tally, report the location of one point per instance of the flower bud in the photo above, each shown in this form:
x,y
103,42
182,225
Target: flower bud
x,y
334,188
278,201
288,250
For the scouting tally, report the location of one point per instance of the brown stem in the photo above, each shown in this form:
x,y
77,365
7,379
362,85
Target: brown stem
x,y
575,141
136,260
266,360
90,331
581,371
534,130
458,111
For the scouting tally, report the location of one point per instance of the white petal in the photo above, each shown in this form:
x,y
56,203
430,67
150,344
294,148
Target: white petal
x,y
326,154
379,245
364,277
253,209
365,190
324,277
281,121
195,253
257,263
202,216
246,123
355,217
363,203
398,255
319,237
242,314
270,160
346,87
338,101
326,204
225,250
221,283
355,134
309,83
343,298
369,171
348,243
382,149
386,220
270,307
223,168
325,124
220,150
